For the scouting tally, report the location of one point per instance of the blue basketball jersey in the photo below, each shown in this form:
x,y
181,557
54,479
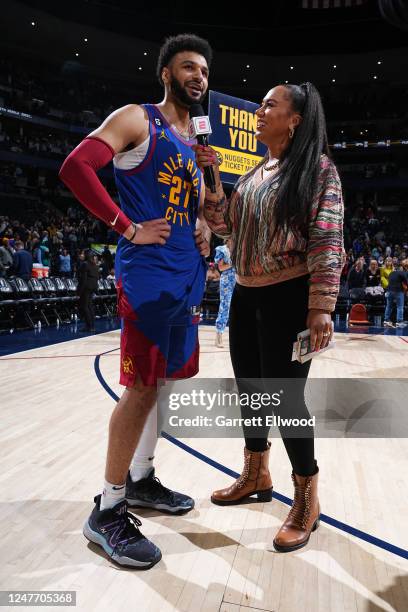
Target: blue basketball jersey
x,y
158,280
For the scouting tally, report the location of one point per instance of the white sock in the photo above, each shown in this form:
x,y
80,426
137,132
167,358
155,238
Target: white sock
x,y
142,461
112,494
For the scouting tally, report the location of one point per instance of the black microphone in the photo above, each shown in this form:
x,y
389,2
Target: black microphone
x,y
200,128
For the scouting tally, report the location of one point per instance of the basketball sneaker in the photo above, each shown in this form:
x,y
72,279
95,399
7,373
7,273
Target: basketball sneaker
x,y
117,532
150,493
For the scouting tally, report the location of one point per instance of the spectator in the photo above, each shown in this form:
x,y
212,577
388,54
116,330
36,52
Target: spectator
x,y
45,249
386,271
227,284
373,274
88,282
6,258
65,264
213,276
111,275
36,251
107,261
358,245
356,278
397,285
23,261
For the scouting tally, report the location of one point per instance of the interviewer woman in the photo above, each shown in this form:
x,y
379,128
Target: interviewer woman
x,y
285,221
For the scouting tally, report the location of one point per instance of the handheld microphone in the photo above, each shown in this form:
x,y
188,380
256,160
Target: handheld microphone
x,y
200,128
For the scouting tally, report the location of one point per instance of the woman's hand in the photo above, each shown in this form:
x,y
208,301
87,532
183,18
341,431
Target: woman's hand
x,y
321,328
201,243
205,156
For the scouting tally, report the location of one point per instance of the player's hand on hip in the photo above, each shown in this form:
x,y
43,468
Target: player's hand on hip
x,y
201,243
321,328
152,232
205,156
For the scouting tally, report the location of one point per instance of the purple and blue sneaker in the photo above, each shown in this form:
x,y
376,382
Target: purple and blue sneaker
x,y
117,532
150,493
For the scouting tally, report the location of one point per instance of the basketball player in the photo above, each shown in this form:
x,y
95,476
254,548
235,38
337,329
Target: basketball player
x,y
160,272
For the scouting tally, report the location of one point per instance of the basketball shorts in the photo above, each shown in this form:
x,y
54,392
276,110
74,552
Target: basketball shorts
x,y
157,346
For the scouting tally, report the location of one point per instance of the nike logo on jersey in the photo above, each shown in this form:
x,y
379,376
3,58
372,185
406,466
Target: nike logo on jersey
x,y
115,219
118,488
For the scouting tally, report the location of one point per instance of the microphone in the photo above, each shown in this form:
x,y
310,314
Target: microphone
x,y
200,128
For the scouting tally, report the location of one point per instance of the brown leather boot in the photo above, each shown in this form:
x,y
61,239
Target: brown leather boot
x,y
255,479
303,517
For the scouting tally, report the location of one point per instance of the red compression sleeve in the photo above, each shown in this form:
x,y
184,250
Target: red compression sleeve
x,y
78,172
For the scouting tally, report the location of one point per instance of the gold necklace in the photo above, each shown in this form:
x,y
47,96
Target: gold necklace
x,y
272,167
184,134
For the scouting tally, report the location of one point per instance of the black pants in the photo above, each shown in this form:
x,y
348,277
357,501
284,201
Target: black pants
x,y
86,308
264,323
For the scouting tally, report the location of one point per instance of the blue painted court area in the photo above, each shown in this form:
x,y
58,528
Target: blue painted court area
x,y
24,340
36,338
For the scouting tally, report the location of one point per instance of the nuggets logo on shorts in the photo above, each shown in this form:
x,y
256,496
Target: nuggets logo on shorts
x,y
127,365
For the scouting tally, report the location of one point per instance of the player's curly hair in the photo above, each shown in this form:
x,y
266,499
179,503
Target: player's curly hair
x,y
182,42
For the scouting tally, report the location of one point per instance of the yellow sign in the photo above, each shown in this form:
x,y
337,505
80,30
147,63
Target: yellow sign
x,y
235,162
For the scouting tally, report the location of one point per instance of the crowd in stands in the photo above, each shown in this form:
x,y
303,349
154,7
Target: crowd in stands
x,y
74,96
368,170
56,232
31,139
377,265
373,234
54,242
64,93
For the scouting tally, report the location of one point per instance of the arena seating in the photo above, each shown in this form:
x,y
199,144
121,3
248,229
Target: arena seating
x,y
50,301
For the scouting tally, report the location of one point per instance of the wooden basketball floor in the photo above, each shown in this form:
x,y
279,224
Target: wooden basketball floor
x,y
54,418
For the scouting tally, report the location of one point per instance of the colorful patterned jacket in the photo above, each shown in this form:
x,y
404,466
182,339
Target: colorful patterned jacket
x,y
247,219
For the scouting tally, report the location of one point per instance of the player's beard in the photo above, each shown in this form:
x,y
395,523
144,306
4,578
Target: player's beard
x,y
180,93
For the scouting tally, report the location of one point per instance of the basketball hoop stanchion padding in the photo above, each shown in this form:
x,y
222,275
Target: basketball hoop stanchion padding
x,y
358,315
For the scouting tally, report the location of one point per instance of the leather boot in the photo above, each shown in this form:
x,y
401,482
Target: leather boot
x,y
303,517
255,479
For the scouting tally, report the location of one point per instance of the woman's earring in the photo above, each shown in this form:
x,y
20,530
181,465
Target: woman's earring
x,y
291,132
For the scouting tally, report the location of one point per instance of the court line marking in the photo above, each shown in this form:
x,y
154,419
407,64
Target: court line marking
x,y
56,356
40,348
362,535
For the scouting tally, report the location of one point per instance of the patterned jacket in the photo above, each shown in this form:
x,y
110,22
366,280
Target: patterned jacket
x,y
247,219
